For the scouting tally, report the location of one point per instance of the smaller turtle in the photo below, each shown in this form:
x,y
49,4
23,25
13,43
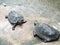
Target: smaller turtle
x,y
15,19
45,32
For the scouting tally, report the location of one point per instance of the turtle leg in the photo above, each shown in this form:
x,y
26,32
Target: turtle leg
x,y
24,22
13,28
34,34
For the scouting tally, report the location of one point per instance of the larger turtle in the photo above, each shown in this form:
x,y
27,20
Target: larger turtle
x,y
45,32
15,19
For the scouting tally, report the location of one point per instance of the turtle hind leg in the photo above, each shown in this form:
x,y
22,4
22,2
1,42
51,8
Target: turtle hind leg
x,y
13,28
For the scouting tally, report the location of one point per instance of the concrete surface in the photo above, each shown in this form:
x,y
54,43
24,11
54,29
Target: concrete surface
x,y
23,34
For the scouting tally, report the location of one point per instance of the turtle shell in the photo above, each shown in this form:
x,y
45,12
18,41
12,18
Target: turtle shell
x,y
14,17
46,32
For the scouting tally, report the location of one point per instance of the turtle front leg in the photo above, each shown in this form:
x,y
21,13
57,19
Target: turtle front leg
x,y
13,28
24,22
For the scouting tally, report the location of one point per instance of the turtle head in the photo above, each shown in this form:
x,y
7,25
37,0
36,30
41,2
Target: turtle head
x,y
36,23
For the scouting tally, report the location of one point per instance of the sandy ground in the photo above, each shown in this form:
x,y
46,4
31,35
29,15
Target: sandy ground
x,y
22,35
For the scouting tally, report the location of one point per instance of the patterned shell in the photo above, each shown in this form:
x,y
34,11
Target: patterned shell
x,y
14,17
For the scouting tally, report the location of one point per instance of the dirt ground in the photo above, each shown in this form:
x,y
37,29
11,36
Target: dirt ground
x,y
22,35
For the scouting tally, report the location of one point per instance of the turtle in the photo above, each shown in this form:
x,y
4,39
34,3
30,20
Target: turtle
x,y
45,32
15,19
